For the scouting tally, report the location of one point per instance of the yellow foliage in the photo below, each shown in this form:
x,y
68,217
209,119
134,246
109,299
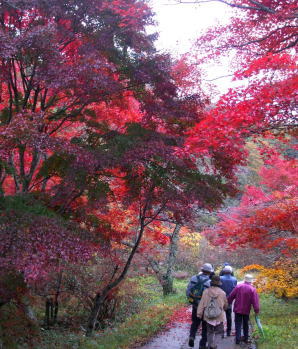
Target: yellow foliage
x,y
281,279
190,239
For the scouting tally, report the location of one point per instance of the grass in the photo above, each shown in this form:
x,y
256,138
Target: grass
x,y
279,319
156,311
141,326
153,312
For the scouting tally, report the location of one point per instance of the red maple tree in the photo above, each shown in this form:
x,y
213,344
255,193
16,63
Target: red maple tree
x,y
93,128
266,217
262,39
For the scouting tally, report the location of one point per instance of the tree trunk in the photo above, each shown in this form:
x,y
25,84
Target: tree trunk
x,y
167,282
48,307
100,297
97,306
56,297
1,336
28,310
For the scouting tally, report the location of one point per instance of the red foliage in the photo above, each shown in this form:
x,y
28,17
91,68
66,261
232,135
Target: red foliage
x,y
180,316
262,37
93,123
266,217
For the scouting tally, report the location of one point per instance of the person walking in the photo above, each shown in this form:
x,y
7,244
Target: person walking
x,y
195,288
228,283
221,273
212,309
245,296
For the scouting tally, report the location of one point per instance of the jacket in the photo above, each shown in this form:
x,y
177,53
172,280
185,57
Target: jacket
x,y
245,296
194,280
228,282
221,299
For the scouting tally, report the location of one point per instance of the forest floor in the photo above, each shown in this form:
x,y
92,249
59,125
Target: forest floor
x,y
176,336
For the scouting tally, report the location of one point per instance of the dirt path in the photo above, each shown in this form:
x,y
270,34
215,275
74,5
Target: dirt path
x,y
176,337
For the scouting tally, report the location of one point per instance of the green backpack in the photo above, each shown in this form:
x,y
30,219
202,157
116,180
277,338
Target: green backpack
x,y
196,291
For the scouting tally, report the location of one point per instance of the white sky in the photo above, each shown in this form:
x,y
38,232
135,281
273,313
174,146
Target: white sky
x,y
179,25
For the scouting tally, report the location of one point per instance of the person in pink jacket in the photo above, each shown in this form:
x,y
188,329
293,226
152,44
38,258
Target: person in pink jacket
x,y
245,296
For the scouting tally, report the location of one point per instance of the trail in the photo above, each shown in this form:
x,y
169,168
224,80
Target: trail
x,y
175,336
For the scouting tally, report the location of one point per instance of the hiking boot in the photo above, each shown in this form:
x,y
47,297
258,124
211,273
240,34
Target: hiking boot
x,y
191,342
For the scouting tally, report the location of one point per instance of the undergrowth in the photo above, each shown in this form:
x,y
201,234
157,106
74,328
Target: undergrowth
x,y
279,320
138,319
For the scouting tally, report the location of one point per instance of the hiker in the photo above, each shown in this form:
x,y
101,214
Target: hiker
x,y
228,283
212,309
196,286
221,273
245,296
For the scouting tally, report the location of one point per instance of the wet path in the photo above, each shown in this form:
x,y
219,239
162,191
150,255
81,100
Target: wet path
x,y
177,338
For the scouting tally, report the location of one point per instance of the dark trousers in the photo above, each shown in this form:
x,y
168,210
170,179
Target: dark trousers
x,y
241,319
229,320
195,324
214,333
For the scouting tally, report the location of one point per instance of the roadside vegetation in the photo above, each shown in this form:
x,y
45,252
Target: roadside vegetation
x,y
279,319
143,312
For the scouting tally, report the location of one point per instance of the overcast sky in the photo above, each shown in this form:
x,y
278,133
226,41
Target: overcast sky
x,y
179,25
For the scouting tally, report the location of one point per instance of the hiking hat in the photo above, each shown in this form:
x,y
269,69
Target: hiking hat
x,y
227,269
207,267
215,280
248,278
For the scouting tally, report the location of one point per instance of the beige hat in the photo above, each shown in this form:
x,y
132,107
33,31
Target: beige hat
x,y
248,278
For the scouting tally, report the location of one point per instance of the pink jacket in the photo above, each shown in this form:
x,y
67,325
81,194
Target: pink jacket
x,y
245,296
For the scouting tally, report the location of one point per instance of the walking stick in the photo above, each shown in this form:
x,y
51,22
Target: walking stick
x,y
260,327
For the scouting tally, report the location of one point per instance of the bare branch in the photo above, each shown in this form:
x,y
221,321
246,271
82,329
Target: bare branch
x,y
219,77
258,7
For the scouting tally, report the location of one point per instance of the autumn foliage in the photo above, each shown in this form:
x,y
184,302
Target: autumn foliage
x,y
266,217
261,39
105,142
280,279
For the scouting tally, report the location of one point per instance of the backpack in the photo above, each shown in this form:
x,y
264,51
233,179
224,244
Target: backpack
x,y
212,310
196,291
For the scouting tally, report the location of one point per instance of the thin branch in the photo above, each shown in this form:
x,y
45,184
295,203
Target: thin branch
x,y
260,7
39,182
219,77
265,37
152,218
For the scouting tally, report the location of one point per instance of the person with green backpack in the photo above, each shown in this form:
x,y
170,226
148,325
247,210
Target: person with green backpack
x,y
196,286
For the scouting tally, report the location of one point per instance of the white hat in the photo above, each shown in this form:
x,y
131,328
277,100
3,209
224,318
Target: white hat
x,y
248,278
207,267
227,269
